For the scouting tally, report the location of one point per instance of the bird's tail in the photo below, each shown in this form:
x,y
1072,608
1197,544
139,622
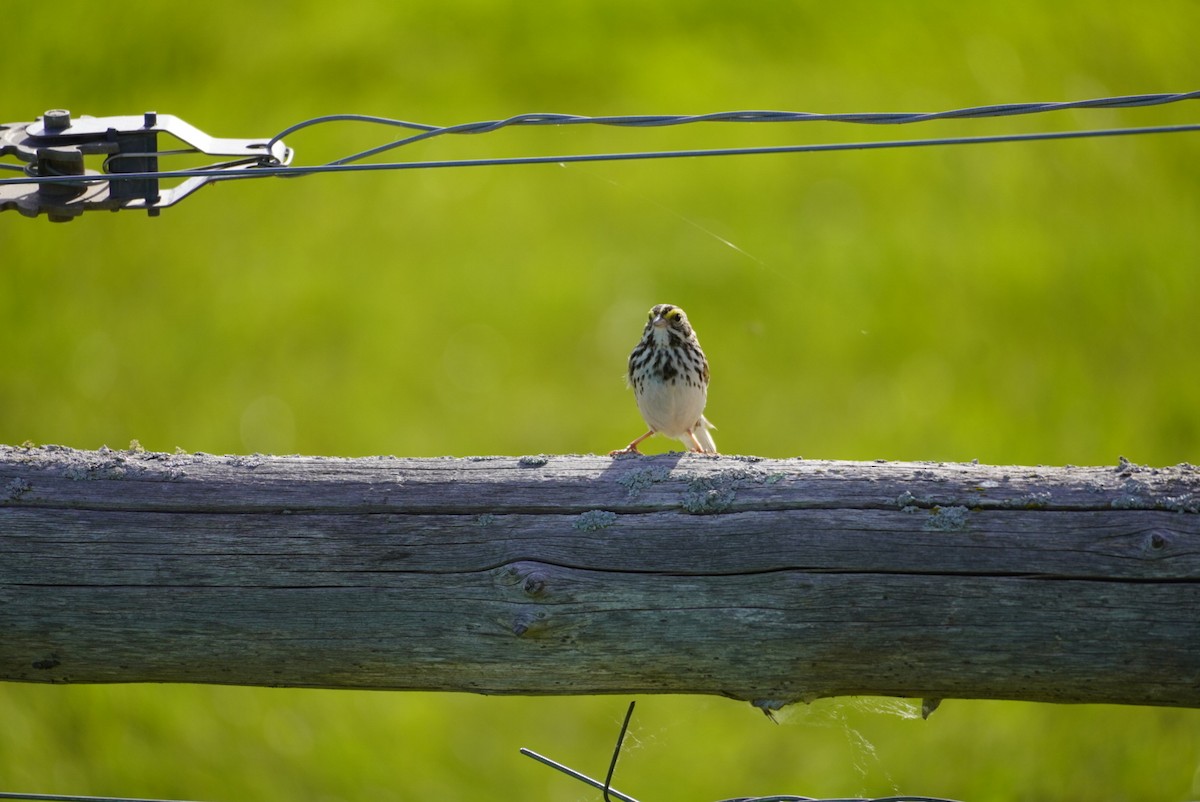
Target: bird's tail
x,y
704,437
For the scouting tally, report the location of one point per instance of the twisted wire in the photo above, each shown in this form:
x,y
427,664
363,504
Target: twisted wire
x,y
266,167
663,120
300,170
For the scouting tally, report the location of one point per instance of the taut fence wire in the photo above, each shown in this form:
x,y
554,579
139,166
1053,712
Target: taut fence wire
x,y
609,793
353,162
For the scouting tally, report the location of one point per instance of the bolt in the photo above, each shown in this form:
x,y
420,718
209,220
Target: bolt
x,y
56,119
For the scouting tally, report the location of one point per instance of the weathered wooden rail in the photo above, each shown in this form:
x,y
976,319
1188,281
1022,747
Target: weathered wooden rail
x,y
765,580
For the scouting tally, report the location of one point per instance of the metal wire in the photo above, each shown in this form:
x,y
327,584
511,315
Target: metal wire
x,y
788,798
293,171
347,163
605,787
662,120
73,798
547,761
608,790
612,766
578,775
658,120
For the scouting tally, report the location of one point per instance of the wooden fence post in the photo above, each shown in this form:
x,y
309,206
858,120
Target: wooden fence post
x,y
766,580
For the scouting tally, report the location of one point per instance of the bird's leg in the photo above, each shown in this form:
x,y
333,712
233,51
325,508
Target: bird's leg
x,y
696,442
632,447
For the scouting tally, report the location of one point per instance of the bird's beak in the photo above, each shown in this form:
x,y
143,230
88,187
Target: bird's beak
x,y
659,322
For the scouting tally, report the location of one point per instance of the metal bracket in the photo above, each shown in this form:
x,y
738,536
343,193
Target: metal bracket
x,y
55,146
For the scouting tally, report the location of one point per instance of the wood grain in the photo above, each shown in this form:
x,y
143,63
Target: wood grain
x,y
766,580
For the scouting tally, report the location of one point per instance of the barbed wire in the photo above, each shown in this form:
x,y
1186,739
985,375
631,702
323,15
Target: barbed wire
x,y
266,168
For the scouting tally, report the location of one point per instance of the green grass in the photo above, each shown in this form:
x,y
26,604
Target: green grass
x,y
1026,303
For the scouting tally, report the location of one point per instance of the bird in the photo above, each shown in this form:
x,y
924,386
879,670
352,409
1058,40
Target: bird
x,y
669,376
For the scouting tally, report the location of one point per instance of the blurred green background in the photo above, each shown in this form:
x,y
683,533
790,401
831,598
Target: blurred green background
x,y
1021,303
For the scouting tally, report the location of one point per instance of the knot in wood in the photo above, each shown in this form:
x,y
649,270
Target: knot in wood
x,y
529,578
534,584
527,624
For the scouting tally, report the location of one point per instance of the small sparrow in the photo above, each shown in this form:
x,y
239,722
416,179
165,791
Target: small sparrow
x,y
669,376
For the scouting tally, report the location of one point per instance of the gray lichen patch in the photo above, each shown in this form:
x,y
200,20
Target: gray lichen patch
x,y
639,479
594,520
82,472
16,488
1182,503
706,495
103,463
1035,501
947,519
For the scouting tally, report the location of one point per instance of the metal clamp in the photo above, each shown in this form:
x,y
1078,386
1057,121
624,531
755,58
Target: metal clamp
x,y
53,149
